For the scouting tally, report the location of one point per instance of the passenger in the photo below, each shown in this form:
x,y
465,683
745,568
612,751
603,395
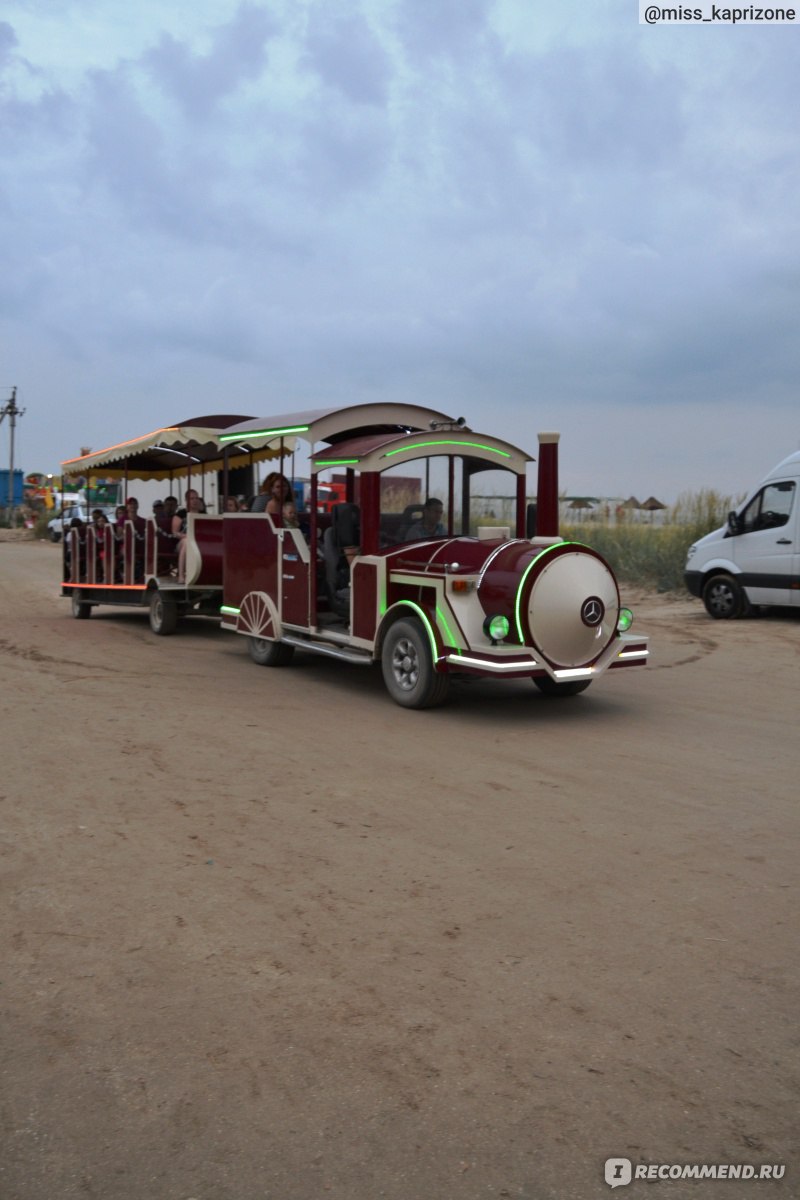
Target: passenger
x,y
100,524
75,523
132,515
261,501
179,529
170,507
231,505
281,501
431,524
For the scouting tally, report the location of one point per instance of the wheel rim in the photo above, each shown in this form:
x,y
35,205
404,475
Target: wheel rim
x,y
405,664
721,598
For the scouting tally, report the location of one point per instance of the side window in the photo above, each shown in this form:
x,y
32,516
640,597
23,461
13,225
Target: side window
x,y
770,509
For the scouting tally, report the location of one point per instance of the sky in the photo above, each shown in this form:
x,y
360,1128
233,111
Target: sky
x,y
538,216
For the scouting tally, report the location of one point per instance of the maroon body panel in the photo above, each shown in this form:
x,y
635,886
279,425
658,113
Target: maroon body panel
x,y
295,584
208,536
250,555
365,600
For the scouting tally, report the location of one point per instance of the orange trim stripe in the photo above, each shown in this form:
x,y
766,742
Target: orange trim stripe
x,y
119,445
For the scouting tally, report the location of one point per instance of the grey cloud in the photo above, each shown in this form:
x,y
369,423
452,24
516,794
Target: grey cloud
x,y
448,27
347,55
199,81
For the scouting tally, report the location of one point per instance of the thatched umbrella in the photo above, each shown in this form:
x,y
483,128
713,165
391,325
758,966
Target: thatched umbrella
x,y
652,505
579,504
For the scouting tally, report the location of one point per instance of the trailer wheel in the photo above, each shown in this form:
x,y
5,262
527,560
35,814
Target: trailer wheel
x,y
163,614
268,653
408,668
81,611
551,687
724,598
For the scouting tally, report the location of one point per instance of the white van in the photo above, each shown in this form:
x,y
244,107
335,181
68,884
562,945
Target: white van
x,y
755,558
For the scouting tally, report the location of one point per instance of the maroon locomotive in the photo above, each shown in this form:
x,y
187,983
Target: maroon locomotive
x,y
410,570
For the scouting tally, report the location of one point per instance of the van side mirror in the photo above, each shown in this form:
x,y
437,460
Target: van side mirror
x,y
734,524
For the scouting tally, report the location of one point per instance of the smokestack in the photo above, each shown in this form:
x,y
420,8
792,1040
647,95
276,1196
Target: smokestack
x,y
547,486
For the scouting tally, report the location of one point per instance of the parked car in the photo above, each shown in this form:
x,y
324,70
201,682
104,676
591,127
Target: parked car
x,y
61,521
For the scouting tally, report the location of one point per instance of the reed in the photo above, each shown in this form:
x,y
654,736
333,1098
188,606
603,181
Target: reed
x,y
653,555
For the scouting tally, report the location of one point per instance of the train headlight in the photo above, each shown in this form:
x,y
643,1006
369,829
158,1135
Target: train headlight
x,y
625,620
496,628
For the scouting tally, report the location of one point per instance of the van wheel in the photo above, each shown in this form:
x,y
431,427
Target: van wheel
x,y
408,668
81,611
268,653
163,614
551,687
724,598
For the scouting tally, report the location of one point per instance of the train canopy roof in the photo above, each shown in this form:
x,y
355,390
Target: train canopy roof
x,y
334,424
193,445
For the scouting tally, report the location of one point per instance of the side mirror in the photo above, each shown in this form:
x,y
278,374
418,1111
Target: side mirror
x,y
734,524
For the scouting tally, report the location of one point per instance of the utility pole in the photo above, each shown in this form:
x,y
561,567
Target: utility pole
x,y
11,411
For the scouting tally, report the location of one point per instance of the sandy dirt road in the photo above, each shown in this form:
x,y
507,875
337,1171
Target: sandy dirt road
x,y
266,935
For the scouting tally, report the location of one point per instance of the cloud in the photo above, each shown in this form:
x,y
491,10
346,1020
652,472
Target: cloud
x,y
198,82
347,55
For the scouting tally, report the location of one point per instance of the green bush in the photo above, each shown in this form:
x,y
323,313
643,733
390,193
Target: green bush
x,y
650,555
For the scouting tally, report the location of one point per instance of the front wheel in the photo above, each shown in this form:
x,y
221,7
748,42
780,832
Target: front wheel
x,y
551,687
268,653
55,536
408,667
81,611
163,614
724,598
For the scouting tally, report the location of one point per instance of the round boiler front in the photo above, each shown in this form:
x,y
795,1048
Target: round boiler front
x,y
572,607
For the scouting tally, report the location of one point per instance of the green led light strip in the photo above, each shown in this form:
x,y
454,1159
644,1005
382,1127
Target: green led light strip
x,y
443,620
525,575
337,462
254,433
447,442
428,627
229,612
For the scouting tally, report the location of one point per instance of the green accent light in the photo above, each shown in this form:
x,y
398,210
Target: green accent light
x,y
526,572
443,621
229,612
423,616
337,462
625,620
496,628
447,442
254,433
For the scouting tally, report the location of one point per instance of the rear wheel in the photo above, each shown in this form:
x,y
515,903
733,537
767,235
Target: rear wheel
x,y
408,670
551,687
724,598
163,614
269,653
81,611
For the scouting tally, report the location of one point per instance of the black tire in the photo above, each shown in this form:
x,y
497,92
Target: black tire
x,y
163,614
724,598
269,653
408,670
551,687
55,536
81,611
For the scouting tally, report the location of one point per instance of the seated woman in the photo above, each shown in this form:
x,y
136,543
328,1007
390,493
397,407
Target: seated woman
x,y
281,502
179,529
